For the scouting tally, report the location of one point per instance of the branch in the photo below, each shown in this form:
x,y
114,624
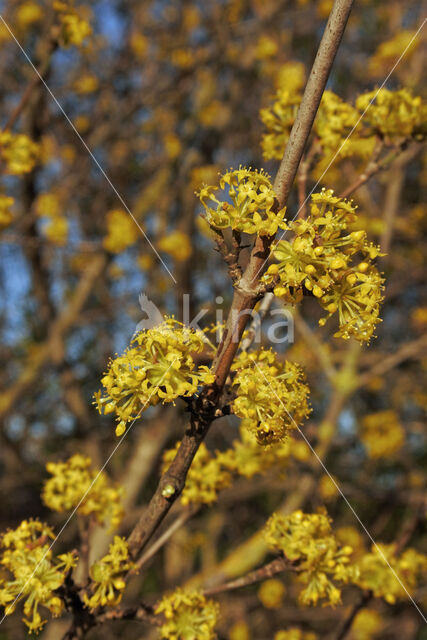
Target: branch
x,y
267,571
246,294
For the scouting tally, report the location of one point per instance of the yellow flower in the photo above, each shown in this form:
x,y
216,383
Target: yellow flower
x,y
293,633
108,575
270,395
205,478
28,13
394,114
87,83
177,244
252,203
278,120
18,152
189,615
374,572
367,624
382,434
57,231
36,573
321,259
6,215
158,366
390,50
74,27
308,540
122,231
271,593
74,483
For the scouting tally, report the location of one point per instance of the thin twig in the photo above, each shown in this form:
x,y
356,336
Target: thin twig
x,y
278,565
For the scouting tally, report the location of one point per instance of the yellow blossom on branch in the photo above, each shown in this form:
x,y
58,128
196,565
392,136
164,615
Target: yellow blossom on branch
x,y
308,540
188,615
75,482
251,209
177,244
324,259
74,26
158,366
122,231
6,215
36,573
107,576
270,395
394,114
374,572
18,151
382,434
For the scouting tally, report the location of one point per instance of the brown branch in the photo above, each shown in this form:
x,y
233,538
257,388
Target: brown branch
x,y
416,348
278,565
207,406
230,255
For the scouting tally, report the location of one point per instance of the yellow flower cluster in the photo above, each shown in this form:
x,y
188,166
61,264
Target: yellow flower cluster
x,y
278,120
320,259
252,206
177,244
271,395
189,615
403,42
69,483
271,593
48,206
247,457
18,151
394,114
74,27
375,574
107,576
367,624
158,366
37,574
205,478
6,216
382,434
122,231
308,540
293,633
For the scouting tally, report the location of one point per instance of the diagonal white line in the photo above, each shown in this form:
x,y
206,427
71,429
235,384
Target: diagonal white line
x,y
30,62
349,135
378,549
86,492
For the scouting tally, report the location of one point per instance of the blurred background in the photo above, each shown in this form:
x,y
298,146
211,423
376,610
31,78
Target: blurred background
x,y
166,95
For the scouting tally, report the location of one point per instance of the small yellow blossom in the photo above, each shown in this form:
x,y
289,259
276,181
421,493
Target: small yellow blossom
x,y
271,395
108,575
389,51
122,231
189,615
394,114
28,13
18,152
321,259
308,540
87,83
374,572
382,434
6,215
37,574
74,483
293,633
177,244
158,366
252,203
74,27
271,593
367,624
